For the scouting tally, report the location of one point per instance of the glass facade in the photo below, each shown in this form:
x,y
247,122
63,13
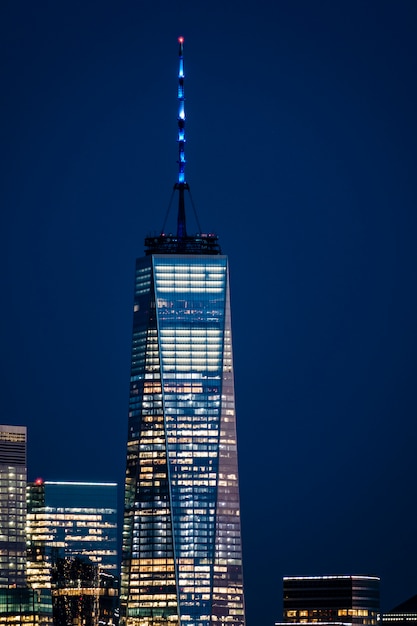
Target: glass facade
x,y
182,560
68,522
70,519
12,506
22,606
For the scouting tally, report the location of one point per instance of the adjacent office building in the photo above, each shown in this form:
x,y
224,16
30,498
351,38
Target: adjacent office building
x,y
22,606
18,603
72,548
331,600
182,560
72,519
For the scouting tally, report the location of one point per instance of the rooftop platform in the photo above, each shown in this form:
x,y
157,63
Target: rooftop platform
x,y
172,244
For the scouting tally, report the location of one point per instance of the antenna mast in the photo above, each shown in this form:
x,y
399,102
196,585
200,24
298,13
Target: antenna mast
x,y
182,243
181,185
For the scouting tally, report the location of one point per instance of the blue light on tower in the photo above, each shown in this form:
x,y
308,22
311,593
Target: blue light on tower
x,y
181,115
182,242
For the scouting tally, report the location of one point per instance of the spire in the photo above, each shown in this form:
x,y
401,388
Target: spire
x,y
181,114
182,243
181,185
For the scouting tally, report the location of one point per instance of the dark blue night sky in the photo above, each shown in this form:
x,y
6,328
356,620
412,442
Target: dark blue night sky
x,y
302,134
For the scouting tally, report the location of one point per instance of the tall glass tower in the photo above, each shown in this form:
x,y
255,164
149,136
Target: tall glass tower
x,y
182,558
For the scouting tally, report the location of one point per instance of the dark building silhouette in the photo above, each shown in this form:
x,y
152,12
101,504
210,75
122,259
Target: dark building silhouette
x,y
75,588
405,614
331,600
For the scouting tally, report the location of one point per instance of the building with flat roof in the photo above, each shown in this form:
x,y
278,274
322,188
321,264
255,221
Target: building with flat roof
x,y
70,523
72,519
331,600
12,506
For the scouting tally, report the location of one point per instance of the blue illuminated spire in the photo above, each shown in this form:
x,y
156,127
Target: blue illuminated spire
x,y
199,243
181,184
181,115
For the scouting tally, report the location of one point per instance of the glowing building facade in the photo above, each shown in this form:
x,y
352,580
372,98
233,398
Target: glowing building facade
x,y
22,606
71,519
19,604
12,506
182,558
71,532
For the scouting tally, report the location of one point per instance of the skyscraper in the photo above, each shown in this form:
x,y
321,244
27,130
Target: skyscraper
x,y
12,506
182,559
18,603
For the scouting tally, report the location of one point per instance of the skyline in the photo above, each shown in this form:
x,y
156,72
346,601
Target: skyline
x,y
301,139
